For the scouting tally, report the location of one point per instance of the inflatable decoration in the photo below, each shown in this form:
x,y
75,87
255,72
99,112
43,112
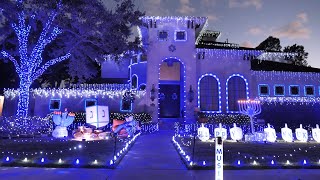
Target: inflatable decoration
x,y
286,133
126,128
62,120
83,133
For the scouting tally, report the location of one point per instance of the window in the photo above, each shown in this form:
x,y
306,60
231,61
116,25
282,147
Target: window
x,y
279,90
180,36
264,90
134,81
209,94
162,35
90,102
55,104
236,90
142,87
309,90
294,90
125,106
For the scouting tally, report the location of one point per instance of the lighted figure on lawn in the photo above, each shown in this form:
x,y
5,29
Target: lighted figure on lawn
x,y
286,133
250,108
126,128
203,133
62,120
316,133
85,133
270,133
236,133
220,132
302,134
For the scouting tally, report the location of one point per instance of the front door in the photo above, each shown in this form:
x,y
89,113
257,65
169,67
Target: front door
x,y
169,100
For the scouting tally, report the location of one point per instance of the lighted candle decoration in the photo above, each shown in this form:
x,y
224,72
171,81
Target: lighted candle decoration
x,y
220,132
270,134
302,134
203,133
250,108
316,133
236,133
286,133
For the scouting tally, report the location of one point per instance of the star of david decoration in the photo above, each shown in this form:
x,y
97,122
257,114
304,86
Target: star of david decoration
x,y
174,96
162,96
172,48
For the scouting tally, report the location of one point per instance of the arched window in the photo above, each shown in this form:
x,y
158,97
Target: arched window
x,y
134,81
209,97
236,90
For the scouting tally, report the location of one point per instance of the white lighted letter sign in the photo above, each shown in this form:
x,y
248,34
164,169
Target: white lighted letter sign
x,y
270,133
203,133
316,133
286,133
302,134
220,132
236,133
219,159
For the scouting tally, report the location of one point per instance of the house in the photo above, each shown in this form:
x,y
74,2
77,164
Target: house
x,y
185,67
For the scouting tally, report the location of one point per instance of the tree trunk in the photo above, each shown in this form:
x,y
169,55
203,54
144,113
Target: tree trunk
x,y
23,104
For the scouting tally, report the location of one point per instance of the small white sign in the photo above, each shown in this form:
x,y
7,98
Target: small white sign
x,y
286,133
302,134
220,132
203,133
270,134
316,133
236,133
219,159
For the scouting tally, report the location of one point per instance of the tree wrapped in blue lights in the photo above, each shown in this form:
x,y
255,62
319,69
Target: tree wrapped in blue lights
x,y
31,64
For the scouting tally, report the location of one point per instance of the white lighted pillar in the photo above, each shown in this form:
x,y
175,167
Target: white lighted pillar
x,y
219,159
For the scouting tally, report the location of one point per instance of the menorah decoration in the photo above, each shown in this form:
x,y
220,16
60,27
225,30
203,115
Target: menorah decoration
x,y
62,120
286,133
316,133
270,134
250,108
220,132
302,134
203,133
236,133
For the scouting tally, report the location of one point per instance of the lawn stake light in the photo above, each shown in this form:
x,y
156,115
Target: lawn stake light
x,y
250,108
286,133
302,134
316,133
236,133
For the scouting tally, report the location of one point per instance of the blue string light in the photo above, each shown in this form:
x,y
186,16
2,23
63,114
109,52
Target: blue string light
x,y
30,67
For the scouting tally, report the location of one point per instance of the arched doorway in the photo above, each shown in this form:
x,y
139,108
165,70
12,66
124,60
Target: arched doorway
x,y
171,89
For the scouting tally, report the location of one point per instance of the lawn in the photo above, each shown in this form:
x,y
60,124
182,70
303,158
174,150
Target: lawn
x,y
52,152
242,155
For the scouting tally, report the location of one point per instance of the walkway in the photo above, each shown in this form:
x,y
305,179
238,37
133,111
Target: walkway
x,y
152,157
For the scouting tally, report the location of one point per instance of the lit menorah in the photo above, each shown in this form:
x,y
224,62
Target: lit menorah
x,y
250,108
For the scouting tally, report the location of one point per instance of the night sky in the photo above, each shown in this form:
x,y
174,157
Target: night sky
x,y
249,22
